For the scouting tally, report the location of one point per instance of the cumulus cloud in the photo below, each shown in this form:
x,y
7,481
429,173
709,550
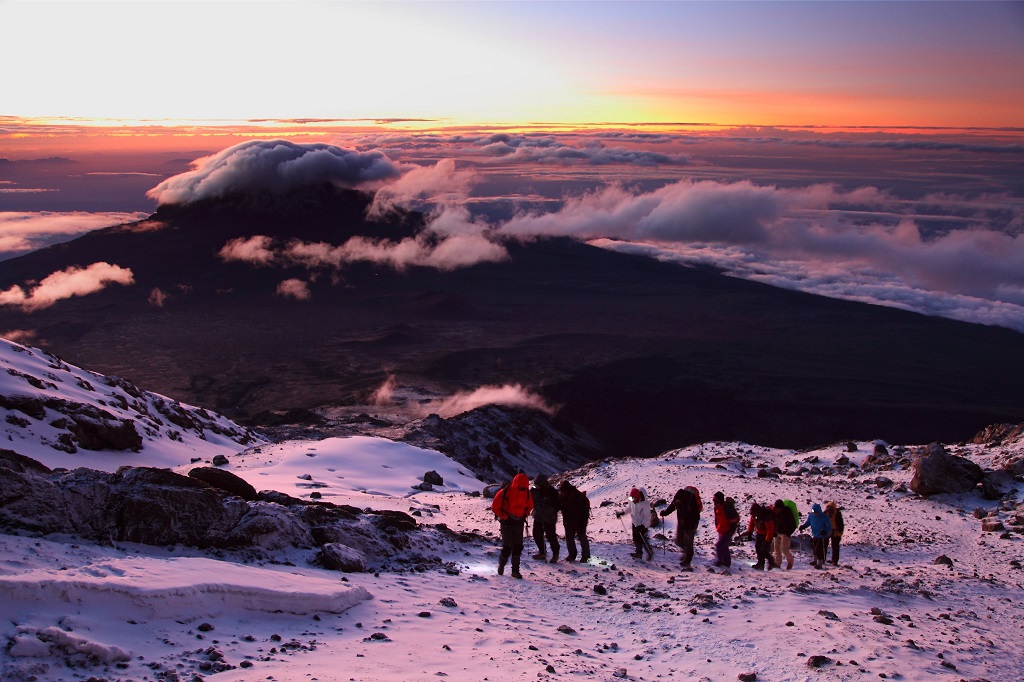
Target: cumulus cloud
x,y
255,250
73,281
275,166
294,288
513,395
739,212
157,297
21,232
441,183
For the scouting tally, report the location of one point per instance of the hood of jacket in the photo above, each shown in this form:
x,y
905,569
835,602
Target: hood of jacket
x,y
522,482
816,508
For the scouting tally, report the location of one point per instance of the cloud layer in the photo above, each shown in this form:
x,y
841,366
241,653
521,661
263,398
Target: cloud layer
x,y
275,166
66,283
21,232
862,244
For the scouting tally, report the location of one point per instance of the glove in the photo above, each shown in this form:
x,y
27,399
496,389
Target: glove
x,y
619,514
663,513
642,528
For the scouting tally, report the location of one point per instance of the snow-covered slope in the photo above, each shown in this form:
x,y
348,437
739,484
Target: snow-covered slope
x,y
888,611
64,416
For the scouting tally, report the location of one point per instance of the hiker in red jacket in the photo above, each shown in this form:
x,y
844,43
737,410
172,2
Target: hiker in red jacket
x,y
727,520
512,505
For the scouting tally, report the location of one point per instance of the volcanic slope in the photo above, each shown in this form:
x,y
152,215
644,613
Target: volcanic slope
x,y
643,354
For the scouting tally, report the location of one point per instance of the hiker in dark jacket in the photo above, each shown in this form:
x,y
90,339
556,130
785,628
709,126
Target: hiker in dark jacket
x,y
762,529
575,516
785,526
836,517
545,518
821,530
687,506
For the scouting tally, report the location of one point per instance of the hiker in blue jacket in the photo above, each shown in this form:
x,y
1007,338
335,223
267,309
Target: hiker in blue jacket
x,y
821,530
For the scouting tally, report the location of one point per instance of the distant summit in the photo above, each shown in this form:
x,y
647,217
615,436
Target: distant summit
x,y
257,301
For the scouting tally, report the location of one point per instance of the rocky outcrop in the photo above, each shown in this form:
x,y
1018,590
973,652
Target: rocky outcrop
x,y
159,507
224,480
935,471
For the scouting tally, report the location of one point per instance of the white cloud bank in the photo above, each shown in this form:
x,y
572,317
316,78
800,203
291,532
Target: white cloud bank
x,y
21,232
73,281
276,166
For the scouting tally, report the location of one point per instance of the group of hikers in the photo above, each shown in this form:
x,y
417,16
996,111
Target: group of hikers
x,y
771,527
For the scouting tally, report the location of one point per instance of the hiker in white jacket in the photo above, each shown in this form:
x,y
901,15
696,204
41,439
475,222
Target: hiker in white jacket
x,y
640,514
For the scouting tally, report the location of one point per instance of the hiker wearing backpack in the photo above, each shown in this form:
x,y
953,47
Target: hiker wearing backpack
x,y
762,529
836,517
821,530
687,505
640,514
785,526
512,505
727,519
545,518
575,516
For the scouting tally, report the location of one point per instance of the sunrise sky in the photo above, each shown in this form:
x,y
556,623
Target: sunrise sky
x,y
863,150
468,63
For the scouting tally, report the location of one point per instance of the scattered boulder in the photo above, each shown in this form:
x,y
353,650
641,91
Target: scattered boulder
x,y
990,525
224,480
433,478
935,471
995,485
943,560
338,557
851,446
220,461
818,661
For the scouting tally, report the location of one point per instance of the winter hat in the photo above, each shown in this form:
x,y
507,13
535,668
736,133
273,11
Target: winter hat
x,y
719,497
635,495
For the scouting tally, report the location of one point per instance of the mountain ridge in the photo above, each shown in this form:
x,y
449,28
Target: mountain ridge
x,y
645,355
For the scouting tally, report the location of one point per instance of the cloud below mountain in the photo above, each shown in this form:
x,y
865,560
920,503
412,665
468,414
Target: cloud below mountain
x,y
21,232
513,395
73,281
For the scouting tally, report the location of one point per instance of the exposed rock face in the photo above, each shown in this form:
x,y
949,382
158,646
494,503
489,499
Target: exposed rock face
x,y
224,480
936,472
159,507
338,557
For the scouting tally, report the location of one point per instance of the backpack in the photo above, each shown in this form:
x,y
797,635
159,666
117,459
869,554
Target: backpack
x,y
792,507
504,497
696,494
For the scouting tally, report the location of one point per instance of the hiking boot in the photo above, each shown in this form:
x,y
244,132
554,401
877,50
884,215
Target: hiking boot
x,y
789,565
501,569
636,555
540,556
554,559
585,558
571,558
650,555
758,567
516,574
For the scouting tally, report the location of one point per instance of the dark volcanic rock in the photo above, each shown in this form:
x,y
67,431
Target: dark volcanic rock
x,y
936,472
224,480
159,507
